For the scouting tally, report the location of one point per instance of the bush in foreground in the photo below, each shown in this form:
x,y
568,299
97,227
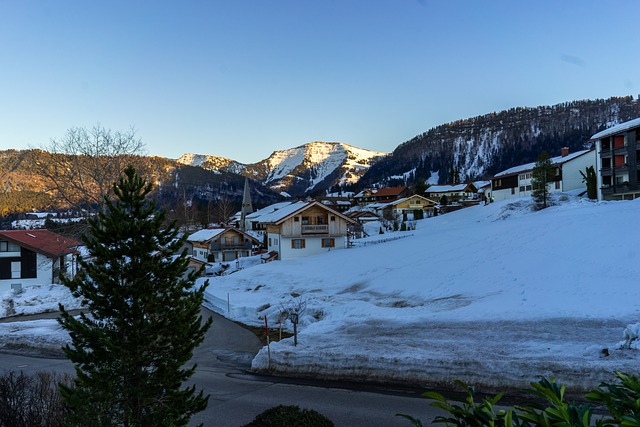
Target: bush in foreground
x,y
621,399
290,416
32,401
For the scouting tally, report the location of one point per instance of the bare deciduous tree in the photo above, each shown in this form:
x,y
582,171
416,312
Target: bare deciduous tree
x,y
81,167
224,210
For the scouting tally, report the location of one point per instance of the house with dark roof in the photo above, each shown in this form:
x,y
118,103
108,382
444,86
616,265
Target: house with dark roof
x,y
618,161
305,228
30,257
380,195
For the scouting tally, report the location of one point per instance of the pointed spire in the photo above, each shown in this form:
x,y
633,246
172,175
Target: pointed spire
x,y
247,208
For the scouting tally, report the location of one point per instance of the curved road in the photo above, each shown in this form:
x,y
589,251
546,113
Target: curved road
x,y
236,397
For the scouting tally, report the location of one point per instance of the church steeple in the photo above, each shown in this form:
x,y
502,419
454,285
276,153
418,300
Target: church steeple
x,y
246,204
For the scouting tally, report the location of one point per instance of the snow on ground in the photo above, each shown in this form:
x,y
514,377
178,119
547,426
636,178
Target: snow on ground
x,y
44,334
494,295
36,299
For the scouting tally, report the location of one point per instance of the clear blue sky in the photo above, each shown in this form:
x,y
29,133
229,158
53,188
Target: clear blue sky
x,y
242,78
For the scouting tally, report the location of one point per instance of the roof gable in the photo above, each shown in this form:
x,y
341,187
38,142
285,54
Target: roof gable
x,y
45,242
555,161
209,234
451,188
619,128
415,196
281,215
382,192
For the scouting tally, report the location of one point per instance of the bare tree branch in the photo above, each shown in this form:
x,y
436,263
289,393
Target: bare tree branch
x,y
81,167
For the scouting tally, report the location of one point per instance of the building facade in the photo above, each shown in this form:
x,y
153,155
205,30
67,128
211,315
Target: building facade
x,y
305,228
618,161
516,181
34,257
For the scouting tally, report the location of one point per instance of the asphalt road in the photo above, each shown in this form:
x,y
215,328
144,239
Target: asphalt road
x,y
236,396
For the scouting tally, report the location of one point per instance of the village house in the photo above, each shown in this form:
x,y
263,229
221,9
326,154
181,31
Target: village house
x,y
409,208
337,203
380,195
305,228
452,193
618,161
516,181
252,220
30,257
222,244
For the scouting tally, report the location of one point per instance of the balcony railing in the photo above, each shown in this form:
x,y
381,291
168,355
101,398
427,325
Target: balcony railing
x,y
315,229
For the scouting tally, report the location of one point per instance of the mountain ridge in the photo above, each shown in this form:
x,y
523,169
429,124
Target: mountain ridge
x,y
310,167
478,147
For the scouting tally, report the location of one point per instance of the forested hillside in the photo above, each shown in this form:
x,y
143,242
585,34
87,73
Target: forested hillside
x,y
481,146
24,188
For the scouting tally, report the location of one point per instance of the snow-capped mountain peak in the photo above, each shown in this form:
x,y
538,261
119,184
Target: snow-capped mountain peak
x,y
312,166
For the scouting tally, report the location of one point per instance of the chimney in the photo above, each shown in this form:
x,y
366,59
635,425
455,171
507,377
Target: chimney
x,y
565,151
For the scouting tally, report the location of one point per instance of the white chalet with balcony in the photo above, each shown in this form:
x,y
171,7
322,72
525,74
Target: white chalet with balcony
x,y
305,228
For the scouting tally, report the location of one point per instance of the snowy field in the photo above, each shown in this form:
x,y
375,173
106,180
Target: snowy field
x,y
494,295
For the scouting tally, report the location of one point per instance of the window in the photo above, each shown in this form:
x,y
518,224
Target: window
x,y
15,270
528,188
270,241
9,247
297,244
329,242
296,219
305,220
513,190
333,218
557,185
320,220
418,202
522,188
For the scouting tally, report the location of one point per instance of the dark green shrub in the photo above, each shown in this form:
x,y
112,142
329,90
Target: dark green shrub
x,y
290,416
622,400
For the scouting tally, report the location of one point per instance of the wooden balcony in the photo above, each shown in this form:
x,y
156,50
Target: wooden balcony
x,y
315,229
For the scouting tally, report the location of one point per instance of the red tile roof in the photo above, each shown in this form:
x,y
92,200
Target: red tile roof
x,y
41,241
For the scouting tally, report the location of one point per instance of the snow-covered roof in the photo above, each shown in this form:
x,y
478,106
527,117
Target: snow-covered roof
x,y
480,184
287,211
283,212
554,160
446,188
255,216
205,235
617,129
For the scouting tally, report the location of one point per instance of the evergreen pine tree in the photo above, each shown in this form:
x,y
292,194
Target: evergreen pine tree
x,y
542,175
591,180
143,319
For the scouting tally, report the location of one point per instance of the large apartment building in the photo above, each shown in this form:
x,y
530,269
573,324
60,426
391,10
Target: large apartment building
x,y
618,161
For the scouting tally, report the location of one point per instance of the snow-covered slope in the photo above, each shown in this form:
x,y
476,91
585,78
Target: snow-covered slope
x,y
312,166
211,162
494,295
307,166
